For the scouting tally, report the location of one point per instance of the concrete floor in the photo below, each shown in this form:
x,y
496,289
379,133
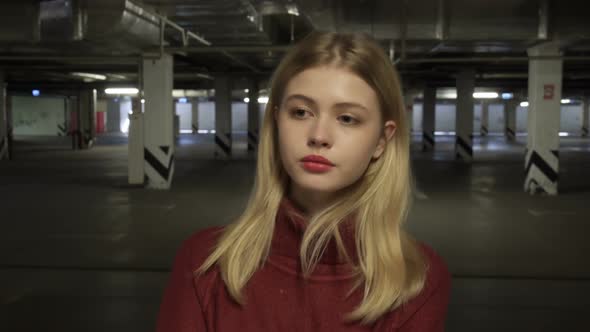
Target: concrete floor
x,y
80,250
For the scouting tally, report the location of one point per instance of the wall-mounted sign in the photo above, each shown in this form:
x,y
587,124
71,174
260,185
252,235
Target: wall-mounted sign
x,y
548,91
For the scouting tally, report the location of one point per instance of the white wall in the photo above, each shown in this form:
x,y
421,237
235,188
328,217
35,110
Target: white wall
x,y
239,116
571,118
124,110
207,116
495,118
521,119
113,119
184,112
444,117
37,115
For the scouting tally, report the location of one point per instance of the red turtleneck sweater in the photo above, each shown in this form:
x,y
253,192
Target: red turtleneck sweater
x,y
279,299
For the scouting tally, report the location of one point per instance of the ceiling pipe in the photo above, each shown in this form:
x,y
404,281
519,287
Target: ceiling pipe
x,y
233,49
494,59
122,24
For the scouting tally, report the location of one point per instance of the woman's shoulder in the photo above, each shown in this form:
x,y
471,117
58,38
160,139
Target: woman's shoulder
x,y
427,310
199,245
438,272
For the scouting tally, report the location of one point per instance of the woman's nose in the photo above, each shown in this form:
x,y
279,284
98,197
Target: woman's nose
x,y
319,136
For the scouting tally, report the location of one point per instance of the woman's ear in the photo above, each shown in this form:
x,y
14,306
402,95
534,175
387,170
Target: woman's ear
x,y
388,131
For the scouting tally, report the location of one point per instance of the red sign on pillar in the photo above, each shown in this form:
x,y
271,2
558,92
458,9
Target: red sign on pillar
x,y
548,91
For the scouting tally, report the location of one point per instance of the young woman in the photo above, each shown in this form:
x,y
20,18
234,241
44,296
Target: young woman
x,y
320,245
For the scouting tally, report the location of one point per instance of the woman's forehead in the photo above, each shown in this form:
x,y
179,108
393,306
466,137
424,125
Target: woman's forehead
x,y
328,84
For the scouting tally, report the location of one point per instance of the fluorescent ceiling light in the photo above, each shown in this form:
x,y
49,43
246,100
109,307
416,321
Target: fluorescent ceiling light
x,y
507,95
566,101
261,100
451,93
92,76
121,91
446,93
524,104
292,9
485,95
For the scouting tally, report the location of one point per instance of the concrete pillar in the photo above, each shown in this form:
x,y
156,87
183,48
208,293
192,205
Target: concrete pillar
x,y
3,119
428,118
585,116
176,125
223,120
485,118
544,96
464,116
63,128
195,115
253,116
86,118
510,106
135,145
72,106
9,125
409,98
113,115
158,122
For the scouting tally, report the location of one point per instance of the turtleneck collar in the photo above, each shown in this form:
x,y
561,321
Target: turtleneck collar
x,y
290,226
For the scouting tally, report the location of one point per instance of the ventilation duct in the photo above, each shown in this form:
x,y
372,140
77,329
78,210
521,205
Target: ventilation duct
x,y
112,23
19,21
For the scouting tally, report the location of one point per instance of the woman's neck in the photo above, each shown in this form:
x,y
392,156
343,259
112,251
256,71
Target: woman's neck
x,y
310,202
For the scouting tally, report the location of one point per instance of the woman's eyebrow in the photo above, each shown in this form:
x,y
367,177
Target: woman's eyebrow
x,y
311,101
300,96
351,105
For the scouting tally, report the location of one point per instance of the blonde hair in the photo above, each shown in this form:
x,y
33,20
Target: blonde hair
x,y
390,264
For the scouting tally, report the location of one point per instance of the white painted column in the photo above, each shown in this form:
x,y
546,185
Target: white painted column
x,y
158,122
63,128
223,120
428,118
86,115
9,125
3,119
409,98
74,123
195,115
544,96
464,116
510,106
253,115
485,118
585,116
135,145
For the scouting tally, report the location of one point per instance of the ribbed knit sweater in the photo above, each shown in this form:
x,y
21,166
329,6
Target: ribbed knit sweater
x,y
278,298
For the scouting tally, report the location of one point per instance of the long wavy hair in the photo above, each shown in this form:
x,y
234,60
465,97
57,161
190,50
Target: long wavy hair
x,y
390,265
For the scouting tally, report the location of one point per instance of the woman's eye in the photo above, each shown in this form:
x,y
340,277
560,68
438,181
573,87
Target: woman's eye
x,y
298,113
348,119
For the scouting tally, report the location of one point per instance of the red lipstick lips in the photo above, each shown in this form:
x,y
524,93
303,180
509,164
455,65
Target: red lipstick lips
x,y
316,164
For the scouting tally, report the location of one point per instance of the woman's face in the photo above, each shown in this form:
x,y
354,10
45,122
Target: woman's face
x,y
330,112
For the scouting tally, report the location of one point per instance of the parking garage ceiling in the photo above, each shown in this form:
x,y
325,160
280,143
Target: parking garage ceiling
x,y
49,43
